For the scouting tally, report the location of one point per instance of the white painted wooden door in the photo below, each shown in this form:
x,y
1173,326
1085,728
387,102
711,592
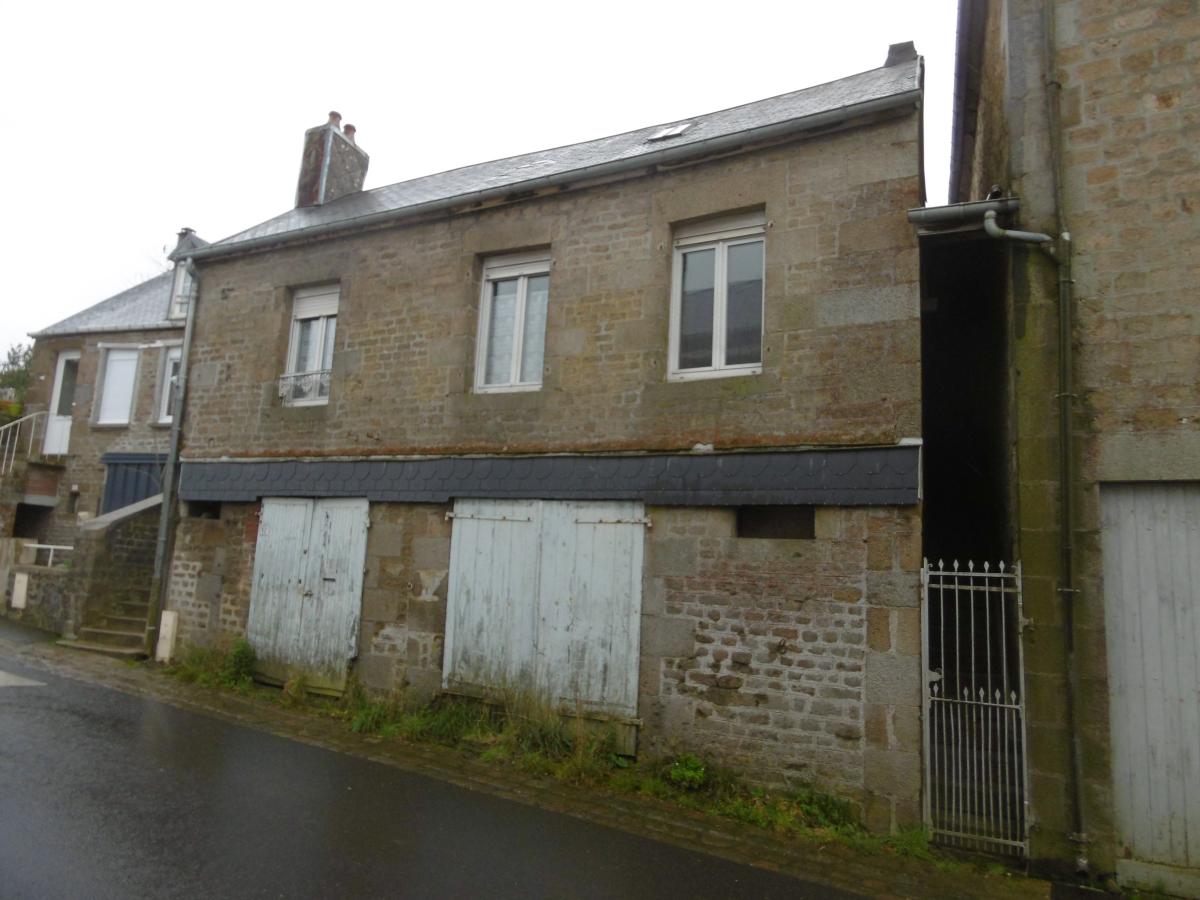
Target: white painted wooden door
x,y
1151,547
306,599
62,401
545,596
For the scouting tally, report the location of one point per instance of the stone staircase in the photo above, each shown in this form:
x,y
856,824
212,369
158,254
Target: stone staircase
x,y
119,629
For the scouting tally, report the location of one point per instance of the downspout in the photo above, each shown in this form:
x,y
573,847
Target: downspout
x,y
158,582
1060,252
1066,458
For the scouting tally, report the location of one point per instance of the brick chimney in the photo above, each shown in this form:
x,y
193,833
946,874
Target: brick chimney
x,y
333,165
900,53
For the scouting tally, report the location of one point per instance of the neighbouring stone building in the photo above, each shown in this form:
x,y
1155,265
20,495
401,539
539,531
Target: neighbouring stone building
x,y
1077,123
632,424
92,443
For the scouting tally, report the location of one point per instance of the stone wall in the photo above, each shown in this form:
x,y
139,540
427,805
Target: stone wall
x,y
50,598
210,572
1131,188
794,660
111,561
404,599
842,337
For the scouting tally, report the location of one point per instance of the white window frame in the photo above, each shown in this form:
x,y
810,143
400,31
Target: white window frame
x,y
322,303
102,383
171,353
499,268
718,235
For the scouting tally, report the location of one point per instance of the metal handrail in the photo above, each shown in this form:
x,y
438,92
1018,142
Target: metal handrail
x,y
49,547
10,440
304,386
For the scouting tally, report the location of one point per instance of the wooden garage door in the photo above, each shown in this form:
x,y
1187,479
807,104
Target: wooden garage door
x,y
546,596
306,598
1151,546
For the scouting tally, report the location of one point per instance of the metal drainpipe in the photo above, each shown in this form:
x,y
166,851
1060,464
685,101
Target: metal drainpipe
x,y
1061,254
158,583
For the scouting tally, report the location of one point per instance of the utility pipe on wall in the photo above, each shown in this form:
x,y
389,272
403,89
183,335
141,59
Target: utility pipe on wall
x,y
158,582
1060,253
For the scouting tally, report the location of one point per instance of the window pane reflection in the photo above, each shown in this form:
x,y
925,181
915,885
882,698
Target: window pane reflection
x,y
696,310
743,304
537,293
498,369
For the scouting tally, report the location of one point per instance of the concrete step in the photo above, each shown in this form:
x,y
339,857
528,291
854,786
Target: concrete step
x,y
117,622
114,637
105,649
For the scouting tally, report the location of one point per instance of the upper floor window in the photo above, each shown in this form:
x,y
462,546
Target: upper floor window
x,y
117,386
717,298
310,350
168,384
512,323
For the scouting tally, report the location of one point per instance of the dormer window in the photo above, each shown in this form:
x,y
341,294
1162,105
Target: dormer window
x,y
181,292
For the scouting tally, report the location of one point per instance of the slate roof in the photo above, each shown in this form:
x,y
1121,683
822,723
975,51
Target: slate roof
x,y
876,476
635,148
143,307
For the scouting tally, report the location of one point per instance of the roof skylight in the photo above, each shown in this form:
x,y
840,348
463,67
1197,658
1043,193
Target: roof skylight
x,y
670,131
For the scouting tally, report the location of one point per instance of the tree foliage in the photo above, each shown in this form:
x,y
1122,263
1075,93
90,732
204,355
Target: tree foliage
x,y
14,370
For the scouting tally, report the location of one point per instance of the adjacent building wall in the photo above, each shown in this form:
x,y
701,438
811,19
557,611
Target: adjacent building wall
x,y
89,441
1131,187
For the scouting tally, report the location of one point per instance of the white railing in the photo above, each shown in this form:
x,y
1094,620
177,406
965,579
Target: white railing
x,y
50,549
976,793
17,438
298,388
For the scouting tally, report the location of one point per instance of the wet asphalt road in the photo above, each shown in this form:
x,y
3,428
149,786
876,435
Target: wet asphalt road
x,y
108,795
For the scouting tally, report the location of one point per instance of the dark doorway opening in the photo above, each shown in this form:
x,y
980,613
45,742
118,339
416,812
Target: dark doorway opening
x,y
964,384
33,522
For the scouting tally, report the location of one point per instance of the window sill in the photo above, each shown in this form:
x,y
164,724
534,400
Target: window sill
x,y
108,426
506,388
703,374
303,404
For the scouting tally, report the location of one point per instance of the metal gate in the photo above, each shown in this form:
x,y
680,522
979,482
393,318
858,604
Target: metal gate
x,y
974,707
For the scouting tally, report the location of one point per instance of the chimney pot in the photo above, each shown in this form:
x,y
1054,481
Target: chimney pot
x,y
348,131
335,118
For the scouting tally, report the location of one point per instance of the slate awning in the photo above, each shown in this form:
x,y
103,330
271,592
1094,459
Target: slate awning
x,y
874,476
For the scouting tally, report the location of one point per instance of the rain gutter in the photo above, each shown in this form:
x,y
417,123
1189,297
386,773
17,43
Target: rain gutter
x,y
665,156
961,216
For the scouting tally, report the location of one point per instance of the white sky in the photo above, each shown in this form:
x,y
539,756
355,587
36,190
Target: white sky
x,y
131,120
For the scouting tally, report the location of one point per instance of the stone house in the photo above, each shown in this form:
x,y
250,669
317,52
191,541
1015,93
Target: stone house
x,y
1062,355
93,440
632,424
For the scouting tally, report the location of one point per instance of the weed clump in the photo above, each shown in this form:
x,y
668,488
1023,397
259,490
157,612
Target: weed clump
x,y
688,772
218,667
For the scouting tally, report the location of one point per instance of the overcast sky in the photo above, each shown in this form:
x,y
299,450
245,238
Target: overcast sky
x,y
128,121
